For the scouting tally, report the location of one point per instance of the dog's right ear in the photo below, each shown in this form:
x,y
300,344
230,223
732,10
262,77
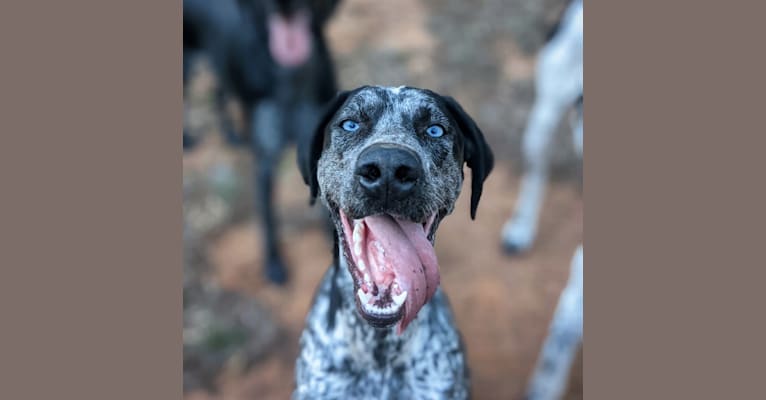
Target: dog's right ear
x,y
476,154
310,149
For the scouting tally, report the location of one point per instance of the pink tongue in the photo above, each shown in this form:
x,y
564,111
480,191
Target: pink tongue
x,y
289,39
407,251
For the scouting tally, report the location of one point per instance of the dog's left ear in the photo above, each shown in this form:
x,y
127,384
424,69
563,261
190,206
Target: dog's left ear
x,y
476,152
310,148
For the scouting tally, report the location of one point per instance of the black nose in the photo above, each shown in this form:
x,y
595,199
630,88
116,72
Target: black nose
x,y
388,170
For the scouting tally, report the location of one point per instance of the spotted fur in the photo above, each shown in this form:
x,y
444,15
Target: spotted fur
x,y
342,355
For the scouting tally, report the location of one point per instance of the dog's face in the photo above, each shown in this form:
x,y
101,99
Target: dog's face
x,y
388,163
289,24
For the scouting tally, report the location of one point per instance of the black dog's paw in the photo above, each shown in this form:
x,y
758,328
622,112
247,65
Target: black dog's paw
x,y
189,142
276,271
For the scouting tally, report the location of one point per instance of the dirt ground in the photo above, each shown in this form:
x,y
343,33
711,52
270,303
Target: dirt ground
x,y
483,56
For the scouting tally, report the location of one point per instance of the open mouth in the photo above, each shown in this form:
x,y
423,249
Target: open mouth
x,y
393,264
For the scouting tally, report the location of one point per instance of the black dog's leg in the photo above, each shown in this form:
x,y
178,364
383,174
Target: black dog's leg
x,y
188,140
274,266
227,127
267,143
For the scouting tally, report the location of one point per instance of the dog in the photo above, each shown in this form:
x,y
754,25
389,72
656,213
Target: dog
x,y
388,164
559,84
550,377
272,56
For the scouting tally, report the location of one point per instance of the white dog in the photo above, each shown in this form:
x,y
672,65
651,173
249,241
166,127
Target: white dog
x,y
559,84
549,380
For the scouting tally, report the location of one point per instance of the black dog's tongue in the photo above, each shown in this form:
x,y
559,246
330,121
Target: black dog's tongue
x,y
401,247
290,39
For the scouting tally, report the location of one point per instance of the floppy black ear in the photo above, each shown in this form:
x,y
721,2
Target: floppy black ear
x,y
310,147
476,152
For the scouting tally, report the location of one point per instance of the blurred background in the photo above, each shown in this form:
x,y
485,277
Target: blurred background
x,y
243,343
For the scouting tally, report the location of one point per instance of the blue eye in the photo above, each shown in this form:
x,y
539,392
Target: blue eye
x,y
349,125
435,131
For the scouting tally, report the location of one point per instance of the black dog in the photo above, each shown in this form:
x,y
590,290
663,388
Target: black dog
x,y
388,164
272,56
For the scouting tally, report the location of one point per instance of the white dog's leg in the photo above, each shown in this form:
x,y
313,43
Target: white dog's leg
x,y
519,232
577,132
558,84
551,375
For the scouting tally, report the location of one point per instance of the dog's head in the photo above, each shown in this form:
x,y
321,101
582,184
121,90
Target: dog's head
x,y
290,23
388,163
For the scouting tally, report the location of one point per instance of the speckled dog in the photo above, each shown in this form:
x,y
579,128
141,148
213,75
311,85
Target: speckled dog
x,y
388,164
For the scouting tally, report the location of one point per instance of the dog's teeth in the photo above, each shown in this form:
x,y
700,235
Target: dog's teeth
x,y
362,267
357,237
358,230
363,297
377,310
399,299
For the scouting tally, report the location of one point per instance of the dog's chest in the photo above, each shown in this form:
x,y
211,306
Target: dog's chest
x,y
350,359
